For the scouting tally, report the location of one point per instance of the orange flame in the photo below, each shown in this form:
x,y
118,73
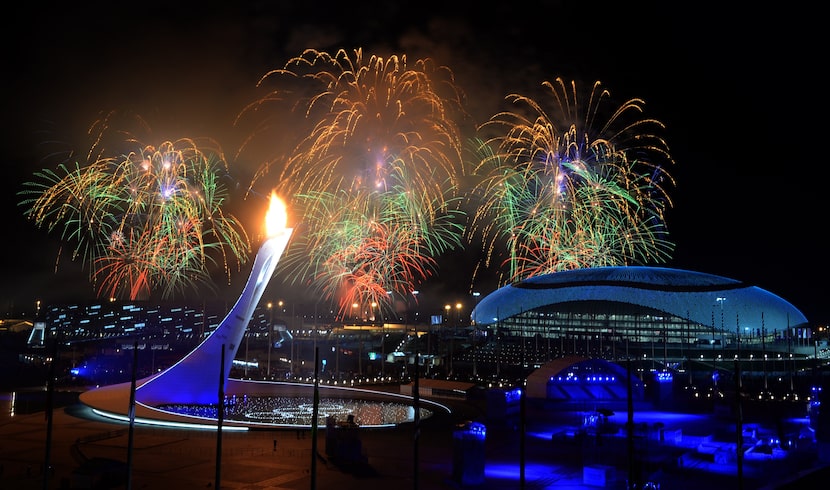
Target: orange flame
x,y
276,217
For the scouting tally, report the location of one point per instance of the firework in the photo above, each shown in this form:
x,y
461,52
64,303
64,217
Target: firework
x,y
365,116
565,189
366,123
361,249
145,221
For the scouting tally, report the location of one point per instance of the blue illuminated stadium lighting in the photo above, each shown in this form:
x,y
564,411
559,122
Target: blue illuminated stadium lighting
x,y
594,378
84,370
814,397
512,396
472,430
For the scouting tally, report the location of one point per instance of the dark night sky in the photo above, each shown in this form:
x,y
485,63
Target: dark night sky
x,y
737,90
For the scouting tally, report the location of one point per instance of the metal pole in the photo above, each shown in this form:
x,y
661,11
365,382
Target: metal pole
x,y
246,352
764,351
416,405
291,365
476,295
790,355
475,340
522,419
132,418
740,429
498,344
220,410
714,359
50,390
268,336
632,477
314,419
738,333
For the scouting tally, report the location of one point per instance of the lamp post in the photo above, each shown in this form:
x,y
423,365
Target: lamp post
x,y
764,351
455,326
359,344
774,366
246,352
720,300
448,308
476,295
382,340
268,338
291,363
281,304
336,354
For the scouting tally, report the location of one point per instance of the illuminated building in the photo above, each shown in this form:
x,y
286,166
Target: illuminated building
x,y
609,309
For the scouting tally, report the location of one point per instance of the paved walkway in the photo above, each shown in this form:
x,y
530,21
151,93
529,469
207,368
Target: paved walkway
x,y
183,459
282,459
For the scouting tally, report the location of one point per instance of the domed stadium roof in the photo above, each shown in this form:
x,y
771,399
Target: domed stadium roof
x,y
695,296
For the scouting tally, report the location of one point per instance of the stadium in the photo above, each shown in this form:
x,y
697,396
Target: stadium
x,y
669,320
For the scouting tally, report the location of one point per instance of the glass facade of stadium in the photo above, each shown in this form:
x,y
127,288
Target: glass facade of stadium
x,y
642,312
613,331
612,322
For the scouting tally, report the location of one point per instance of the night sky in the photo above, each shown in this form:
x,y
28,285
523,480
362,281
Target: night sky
x,y
738,91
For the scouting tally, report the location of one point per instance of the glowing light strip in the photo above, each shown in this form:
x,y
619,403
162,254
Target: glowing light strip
x,y
166,423
383,394
279,425
212,425
263,424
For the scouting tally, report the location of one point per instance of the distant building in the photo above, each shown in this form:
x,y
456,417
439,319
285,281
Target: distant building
x,y
617,307
105,319
15,325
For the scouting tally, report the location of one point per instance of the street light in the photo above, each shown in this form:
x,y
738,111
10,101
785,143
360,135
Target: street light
x,y
448,308
476,295
720,300
382,339
246,352
336,355
281,304
268,337
415,294
360,344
